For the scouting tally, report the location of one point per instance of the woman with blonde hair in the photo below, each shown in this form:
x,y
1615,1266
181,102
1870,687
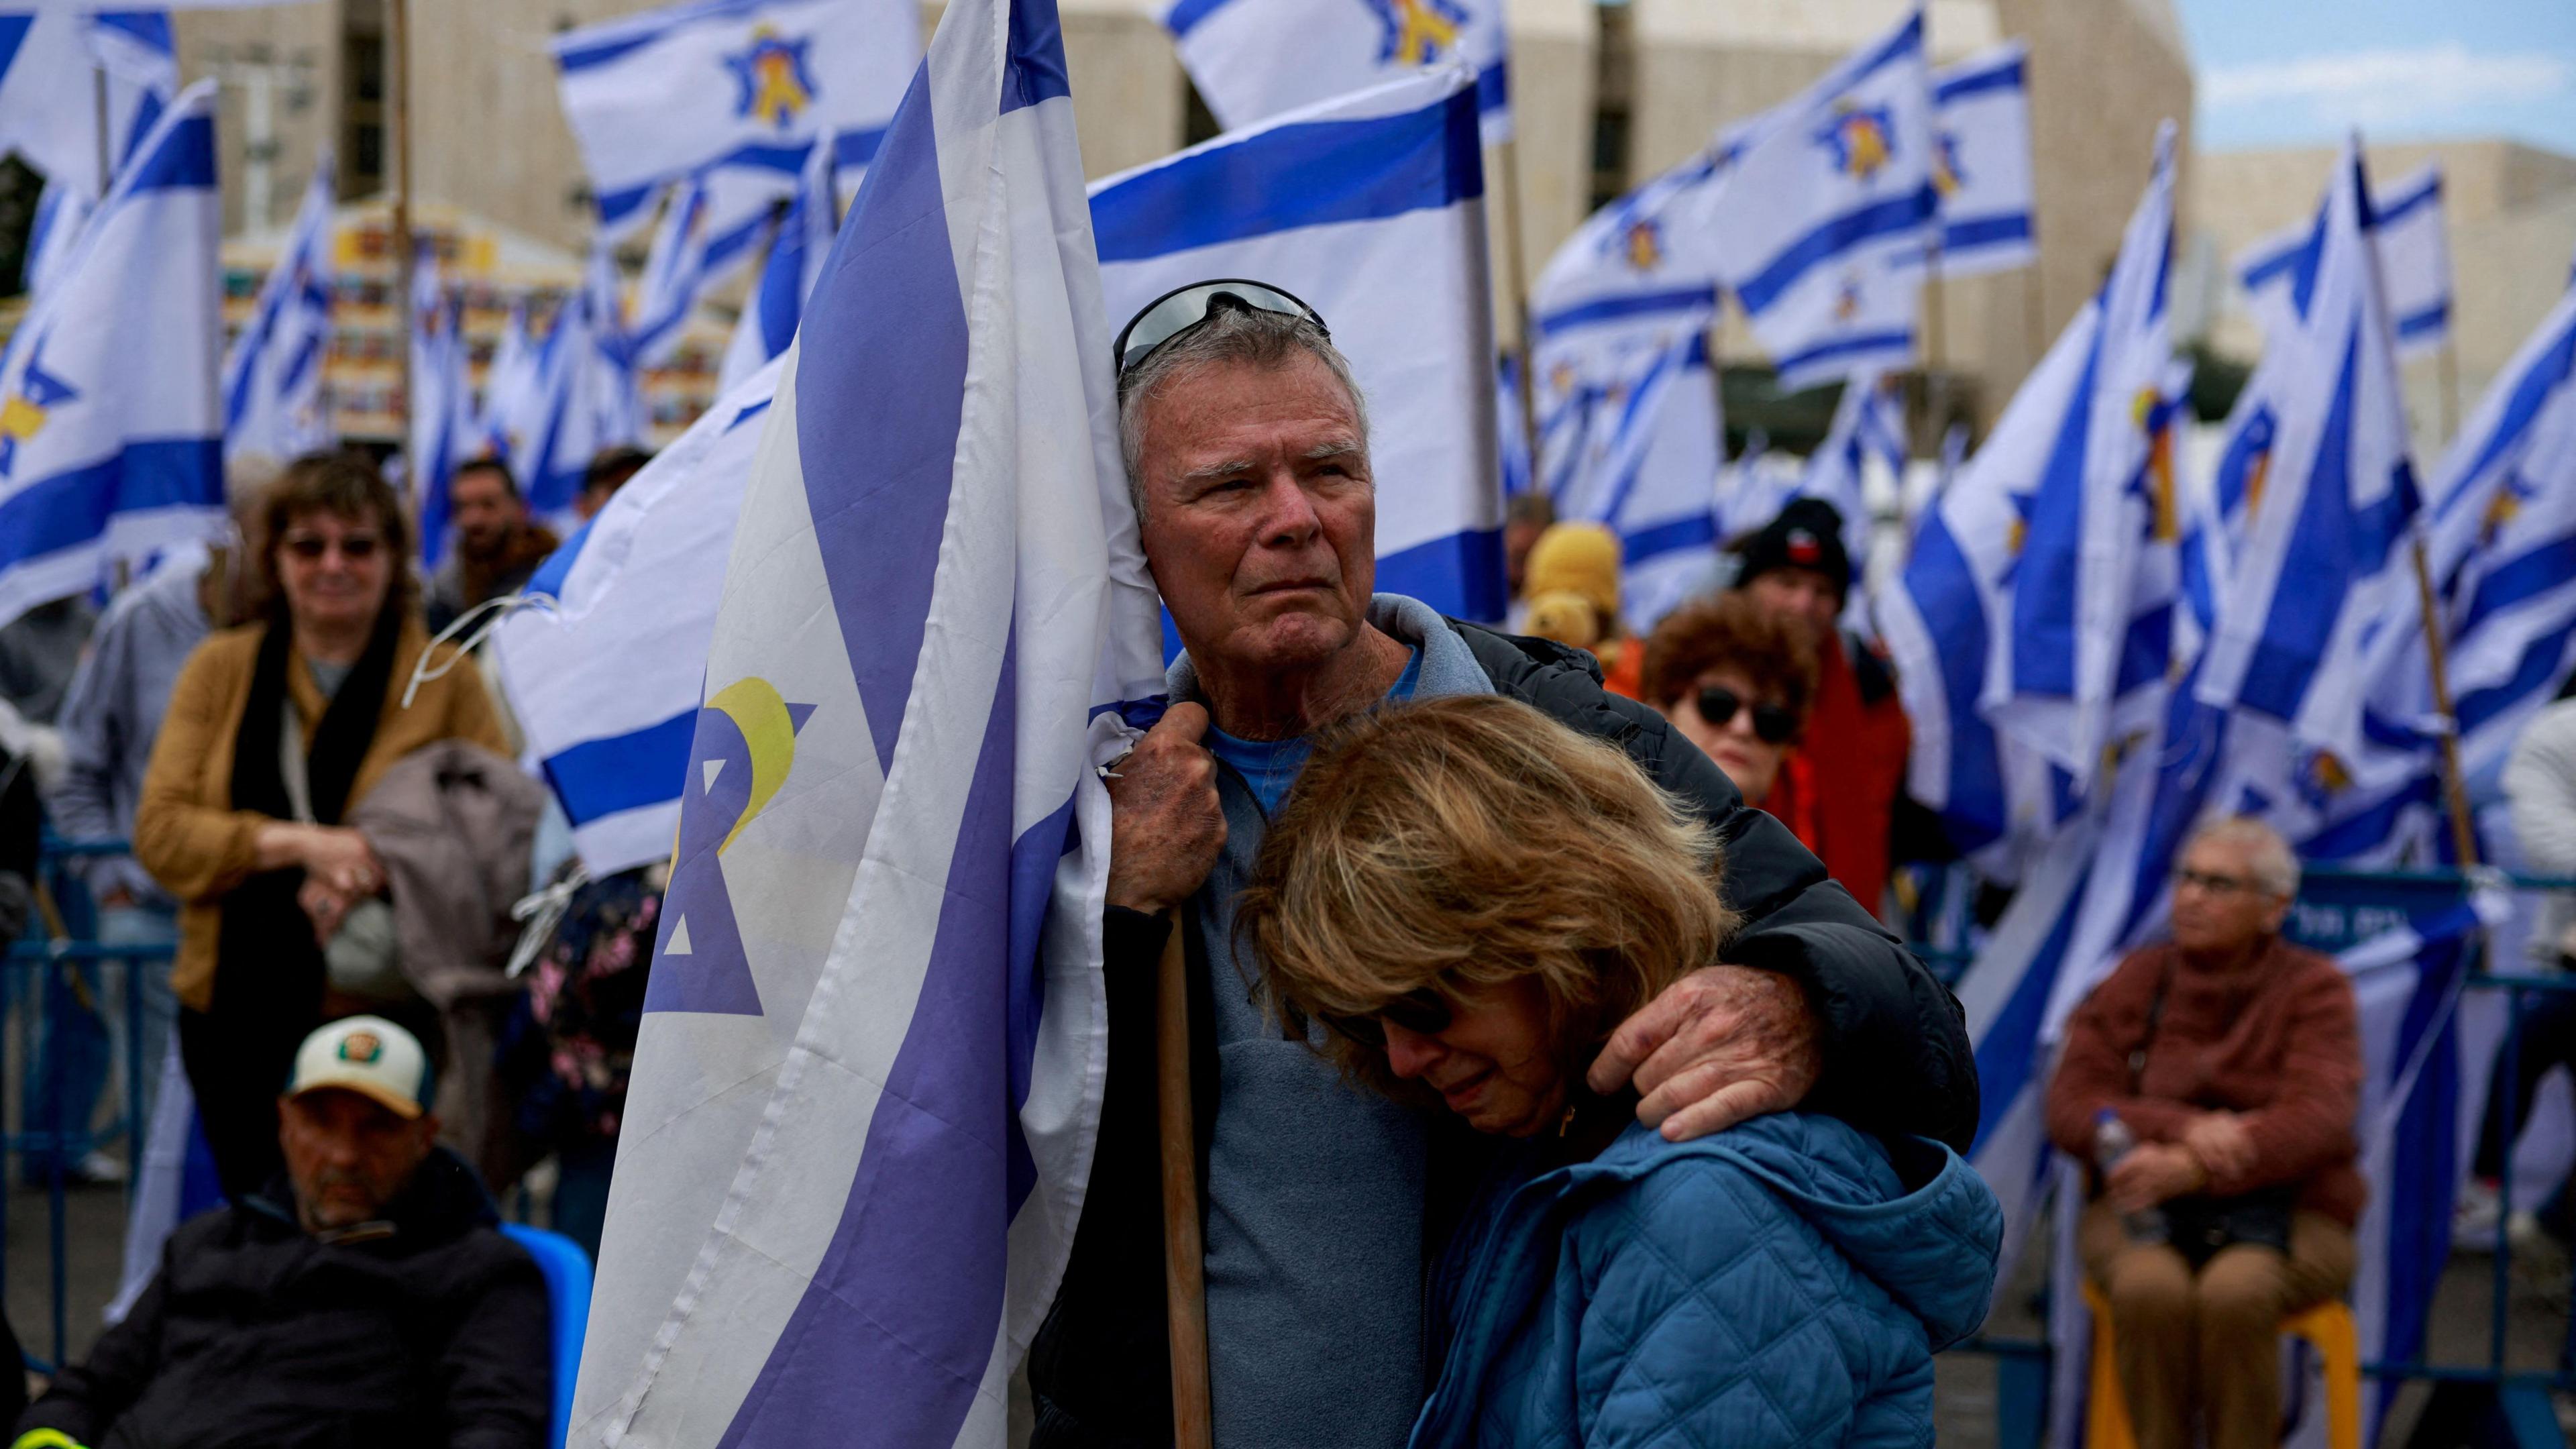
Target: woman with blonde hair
x,y
1457,903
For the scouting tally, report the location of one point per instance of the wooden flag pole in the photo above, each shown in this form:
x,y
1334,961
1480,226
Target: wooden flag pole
x,y
1184,1265
398,84
2464,835
1509,199
2449,366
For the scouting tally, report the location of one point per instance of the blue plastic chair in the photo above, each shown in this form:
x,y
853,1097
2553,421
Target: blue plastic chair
x,y
567,1271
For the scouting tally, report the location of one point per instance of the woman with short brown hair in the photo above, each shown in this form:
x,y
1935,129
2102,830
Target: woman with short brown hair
x,y
1466,897
1739,681
275,730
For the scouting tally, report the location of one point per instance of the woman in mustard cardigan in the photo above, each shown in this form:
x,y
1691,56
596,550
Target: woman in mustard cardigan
x,y
264,877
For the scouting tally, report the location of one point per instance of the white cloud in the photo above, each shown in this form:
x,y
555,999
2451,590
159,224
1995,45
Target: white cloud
x,y
2384,86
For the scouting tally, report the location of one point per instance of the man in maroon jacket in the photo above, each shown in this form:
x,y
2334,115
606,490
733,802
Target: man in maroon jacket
x,y
2212,1083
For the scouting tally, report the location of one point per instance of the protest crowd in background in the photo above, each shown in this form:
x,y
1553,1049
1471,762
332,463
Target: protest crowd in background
x,y
1155,830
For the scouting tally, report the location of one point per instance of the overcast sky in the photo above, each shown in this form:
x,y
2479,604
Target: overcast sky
x,y
2302,72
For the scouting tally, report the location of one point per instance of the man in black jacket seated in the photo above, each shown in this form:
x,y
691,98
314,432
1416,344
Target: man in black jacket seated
x,y
366,1297
1246,449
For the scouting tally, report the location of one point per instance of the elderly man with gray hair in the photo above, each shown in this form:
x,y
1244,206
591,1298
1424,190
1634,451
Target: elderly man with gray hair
x,y
2211,1083
1246,444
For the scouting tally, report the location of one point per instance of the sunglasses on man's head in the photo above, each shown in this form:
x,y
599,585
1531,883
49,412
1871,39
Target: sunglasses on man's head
x,y
1773,724
311,546
1424,1013
1179,310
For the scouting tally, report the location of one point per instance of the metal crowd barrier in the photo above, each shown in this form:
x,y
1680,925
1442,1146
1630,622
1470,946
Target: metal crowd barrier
x,y
2522,1408
41,990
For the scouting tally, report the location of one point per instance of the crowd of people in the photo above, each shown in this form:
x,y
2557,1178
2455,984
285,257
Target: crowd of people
x,y
1536,980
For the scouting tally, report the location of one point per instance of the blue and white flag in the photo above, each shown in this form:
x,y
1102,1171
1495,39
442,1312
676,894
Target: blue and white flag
x,y
111,434
509,384
675,271
1820,227
733,90
2324,565
2093,575
1255,59
54,63
274,404
138,63
584,398
442,403
2503,544
1981,114
868,1073
2414,264
607,683
1868,428
61,212
1370,208
803,239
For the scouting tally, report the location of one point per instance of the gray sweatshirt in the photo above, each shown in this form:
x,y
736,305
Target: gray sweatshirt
x,y
112,713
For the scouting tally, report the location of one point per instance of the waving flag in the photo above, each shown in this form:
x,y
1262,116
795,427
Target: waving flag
x,y
1981,120
1868,425
1254,59
2094,577
869,1064
2414,249
111,436
442,403
61,212
509,381
1826,213
583,400
804,238
607,683
273,401
1371,209
2323,566
54,62
733,91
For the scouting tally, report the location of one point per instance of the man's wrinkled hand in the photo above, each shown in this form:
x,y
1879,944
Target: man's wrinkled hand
x,y
2153,1173
1165,824
1722,1044
2222,1142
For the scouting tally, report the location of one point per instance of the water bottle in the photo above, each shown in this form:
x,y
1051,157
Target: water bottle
x,y
2112,1140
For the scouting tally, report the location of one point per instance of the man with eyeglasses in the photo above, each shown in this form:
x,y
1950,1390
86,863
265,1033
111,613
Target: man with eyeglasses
x,y
1246,446
2211,1085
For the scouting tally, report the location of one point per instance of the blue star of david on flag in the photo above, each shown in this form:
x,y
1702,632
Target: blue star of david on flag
x,y
772,82
23,415
744,747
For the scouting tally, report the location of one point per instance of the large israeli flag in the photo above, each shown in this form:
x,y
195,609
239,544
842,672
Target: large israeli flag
x,y
2324,565
1255,59
111,435
732,90
1981,116
803,239
606,683
1820,227
2414,264
273,400
2093,576
869,1068
1370,208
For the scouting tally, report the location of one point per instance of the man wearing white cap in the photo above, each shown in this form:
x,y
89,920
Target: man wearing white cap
x,y
365,1296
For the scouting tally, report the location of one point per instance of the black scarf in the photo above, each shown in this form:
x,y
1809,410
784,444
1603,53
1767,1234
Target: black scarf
x,y
266,960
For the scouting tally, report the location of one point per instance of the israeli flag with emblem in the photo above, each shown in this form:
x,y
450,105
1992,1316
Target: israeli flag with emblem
x,y
802,239
274,404
2414,247
111,432
1255,59
1370,209
868,1072
1820,228
607,681
2094,572
2324,564
733,90
1981,164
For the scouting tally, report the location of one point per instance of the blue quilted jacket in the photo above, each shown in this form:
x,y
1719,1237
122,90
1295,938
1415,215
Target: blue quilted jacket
x,y
1785,1282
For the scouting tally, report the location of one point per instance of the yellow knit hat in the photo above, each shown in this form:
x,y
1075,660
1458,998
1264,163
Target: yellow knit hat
x,y
1581,558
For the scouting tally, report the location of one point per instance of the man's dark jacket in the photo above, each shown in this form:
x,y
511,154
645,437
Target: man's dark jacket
x,y
1895,1044
258,1333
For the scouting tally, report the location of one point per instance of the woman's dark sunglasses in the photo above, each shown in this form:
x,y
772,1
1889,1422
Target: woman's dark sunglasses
x,y
1773,724
1179,310
1424,1013
311,546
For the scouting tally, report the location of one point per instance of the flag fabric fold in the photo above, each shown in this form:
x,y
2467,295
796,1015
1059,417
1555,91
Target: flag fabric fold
x,y
111,429
1254,59
1981,120
274,403
2413,243
800,241
870,1062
